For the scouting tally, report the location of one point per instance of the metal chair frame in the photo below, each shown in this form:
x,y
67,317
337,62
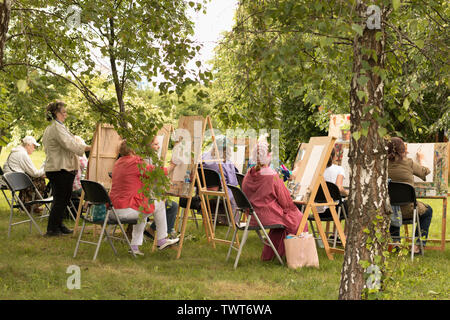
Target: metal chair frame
x,y
17,181
320,198
95,193
244,205
401,193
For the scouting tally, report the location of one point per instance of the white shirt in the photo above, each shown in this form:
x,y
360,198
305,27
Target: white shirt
x,y
20,161
330,175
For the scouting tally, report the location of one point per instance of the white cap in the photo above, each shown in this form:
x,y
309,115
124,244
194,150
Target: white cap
x,y
30,140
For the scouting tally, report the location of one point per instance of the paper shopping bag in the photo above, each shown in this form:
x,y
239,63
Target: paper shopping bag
x,y
301,251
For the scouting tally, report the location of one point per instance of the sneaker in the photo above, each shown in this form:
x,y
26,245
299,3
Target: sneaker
x,y
168,243
137,252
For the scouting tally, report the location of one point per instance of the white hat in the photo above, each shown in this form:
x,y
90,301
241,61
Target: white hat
x,y
30,140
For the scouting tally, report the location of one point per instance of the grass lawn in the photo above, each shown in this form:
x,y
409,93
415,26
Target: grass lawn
x,y
34,267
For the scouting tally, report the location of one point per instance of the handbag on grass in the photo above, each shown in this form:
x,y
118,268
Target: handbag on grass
x,y
301,251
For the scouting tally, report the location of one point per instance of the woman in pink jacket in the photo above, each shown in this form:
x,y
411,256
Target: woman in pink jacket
x,y
271,200
131,204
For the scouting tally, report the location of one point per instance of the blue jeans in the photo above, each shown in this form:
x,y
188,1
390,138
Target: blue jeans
x,y
171,215
425,221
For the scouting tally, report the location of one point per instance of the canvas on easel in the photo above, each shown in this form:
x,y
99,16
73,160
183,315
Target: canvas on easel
x,y
163,137
104,152
310,178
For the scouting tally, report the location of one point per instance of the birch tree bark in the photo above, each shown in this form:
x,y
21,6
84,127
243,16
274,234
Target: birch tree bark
x,y
368,162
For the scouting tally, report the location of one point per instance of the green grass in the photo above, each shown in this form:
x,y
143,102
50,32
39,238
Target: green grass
x,y
34,267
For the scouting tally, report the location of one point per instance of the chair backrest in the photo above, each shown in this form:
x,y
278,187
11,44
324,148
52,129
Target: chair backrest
x,y
240,178
334,192
17,181
241,199
95,193
212,177
401,193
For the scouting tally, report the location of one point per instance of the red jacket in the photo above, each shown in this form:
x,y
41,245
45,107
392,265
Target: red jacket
x,y
126,183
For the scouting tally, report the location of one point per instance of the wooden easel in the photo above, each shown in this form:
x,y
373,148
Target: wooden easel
x,y
314,163
204,193
103,155
192,124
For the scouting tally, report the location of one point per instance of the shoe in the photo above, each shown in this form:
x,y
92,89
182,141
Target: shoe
x,y
137,252
150,233
51,233
168,243
38,210
174,235
417,250
65,230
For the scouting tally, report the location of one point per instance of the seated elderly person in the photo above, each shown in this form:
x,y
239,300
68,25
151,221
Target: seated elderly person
x,y
271,200
228,167
19,161
129,203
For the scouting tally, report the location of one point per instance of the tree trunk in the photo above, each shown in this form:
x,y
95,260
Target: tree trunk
x,y
5,12
368,164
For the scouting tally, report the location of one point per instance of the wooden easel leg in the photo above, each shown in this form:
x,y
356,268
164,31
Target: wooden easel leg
x,y
80,207
207,222
332,208
183,227
322,233
444,222
304,220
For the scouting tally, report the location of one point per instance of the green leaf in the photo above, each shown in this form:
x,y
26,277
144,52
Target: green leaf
x,y
362,80
356,135
22,85
396,4
361,95
378,36
420,43
358,28
406,104
382,131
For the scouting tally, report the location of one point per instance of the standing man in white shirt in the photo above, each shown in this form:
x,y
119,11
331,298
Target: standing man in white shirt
x,y
19,161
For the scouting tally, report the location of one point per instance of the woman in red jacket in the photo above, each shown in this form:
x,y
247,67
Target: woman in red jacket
x,y
130,203
271,200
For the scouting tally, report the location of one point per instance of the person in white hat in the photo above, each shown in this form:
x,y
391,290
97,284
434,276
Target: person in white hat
x,y
19,161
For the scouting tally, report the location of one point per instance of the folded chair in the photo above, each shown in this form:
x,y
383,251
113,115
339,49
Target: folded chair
x,y
400,194
96,194
17,181
244,205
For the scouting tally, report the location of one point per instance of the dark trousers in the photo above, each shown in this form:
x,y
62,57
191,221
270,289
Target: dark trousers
x,y
171,215
61,182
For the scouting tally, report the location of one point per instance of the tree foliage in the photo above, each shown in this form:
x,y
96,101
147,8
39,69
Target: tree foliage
x,y
324,54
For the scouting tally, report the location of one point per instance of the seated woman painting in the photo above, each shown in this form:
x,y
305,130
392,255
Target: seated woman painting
x,y
271,200
403,169
131,204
